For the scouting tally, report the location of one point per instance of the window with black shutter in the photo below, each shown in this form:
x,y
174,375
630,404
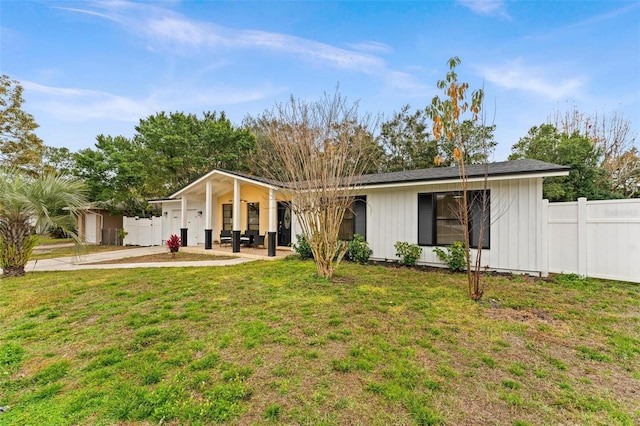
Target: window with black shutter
x,y
439,218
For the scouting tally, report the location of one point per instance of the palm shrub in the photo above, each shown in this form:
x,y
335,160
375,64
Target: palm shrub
x,y
34,203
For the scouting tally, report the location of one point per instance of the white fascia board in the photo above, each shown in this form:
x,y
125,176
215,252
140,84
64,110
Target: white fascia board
x,y
218,172
164,200
247,180
457,180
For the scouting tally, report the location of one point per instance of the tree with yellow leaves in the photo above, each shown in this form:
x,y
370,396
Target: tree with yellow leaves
x,y
447,115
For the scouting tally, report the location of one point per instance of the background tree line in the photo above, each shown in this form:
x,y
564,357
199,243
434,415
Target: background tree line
x,y
169,150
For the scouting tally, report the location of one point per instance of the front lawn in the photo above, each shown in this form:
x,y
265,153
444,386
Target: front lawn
x,y
47,240
268,342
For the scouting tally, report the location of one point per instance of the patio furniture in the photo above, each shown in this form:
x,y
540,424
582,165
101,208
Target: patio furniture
x,y
225,237
248,237
258,241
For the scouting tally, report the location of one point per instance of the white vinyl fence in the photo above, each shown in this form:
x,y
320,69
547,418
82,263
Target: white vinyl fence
x,y
599,239
142,232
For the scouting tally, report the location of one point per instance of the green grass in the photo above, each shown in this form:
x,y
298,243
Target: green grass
x,y
46,240
270,343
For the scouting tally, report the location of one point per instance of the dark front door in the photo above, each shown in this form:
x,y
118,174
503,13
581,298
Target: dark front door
x,y
284,224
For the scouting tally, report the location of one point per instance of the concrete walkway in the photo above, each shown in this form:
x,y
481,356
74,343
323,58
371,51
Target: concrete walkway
x,y
75,263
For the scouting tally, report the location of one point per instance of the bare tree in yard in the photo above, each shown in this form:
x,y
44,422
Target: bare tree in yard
x,y
318,150
447,119
613,137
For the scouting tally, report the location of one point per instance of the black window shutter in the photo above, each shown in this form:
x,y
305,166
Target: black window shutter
x,y
425,219
477,218
360,213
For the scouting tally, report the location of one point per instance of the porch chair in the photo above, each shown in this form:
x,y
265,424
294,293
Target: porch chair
x,y
225,237
248,238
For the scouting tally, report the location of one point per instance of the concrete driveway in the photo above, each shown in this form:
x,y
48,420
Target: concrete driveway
x,y
75,263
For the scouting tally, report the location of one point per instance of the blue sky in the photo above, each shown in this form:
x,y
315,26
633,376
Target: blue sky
x,y
92,68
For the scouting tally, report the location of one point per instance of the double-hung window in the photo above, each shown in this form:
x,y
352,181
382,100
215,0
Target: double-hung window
x,y
227,217
253,216
440,218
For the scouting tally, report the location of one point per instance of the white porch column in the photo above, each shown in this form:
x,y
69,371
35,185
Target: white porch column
x,y
236,216
208,237
183,223
273,219
207,209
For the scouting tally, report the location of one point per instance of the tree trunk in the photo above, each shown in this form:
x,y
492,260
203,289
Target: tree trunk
x,y
13,271
324,269
16,246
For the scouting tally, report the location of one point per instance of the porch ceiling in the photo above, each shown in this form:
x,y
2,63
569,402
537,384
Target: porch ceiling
x,y
222,182
221,185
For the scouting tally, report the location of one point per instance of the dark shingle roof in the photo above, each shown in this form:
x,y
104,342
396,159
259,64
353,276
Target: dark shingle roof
x,y
514,167
503,168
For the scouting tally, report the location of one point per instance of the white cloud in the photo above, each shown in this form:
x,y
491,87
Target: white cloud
x,y
178,30
604,16
79,105
225,95
405,81
535,79
590,23
169,29
487,7
70,104
371,46
308,49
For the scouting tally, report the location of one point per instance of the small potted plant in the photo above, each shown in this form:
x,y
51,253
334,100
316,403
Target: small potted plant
x,y
174,244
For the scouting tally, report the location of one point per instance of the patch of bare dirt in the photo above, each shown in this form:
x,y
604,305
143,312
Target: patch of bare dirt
x,y
521,315
163,257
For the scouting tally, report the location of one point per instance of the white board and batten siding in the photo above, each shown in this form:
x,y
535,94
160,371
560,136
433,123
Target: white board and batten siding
x,y
599,239
172,221
195,226
516,223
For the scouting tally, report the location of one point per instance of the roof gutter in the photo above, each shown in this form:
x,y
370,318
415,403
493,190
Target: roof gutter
x,y
494,178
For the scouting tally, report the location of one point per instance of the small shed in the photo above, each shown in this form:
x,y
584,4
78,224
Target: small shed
x,y
98,226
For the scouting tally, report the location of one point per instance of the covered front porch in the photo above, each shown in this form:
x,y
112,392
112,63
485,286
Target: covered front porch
x,y
229,207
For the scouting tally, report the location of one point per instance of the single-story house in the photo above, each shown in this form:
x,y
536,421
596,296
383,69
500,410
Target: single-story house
x,y
413,206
